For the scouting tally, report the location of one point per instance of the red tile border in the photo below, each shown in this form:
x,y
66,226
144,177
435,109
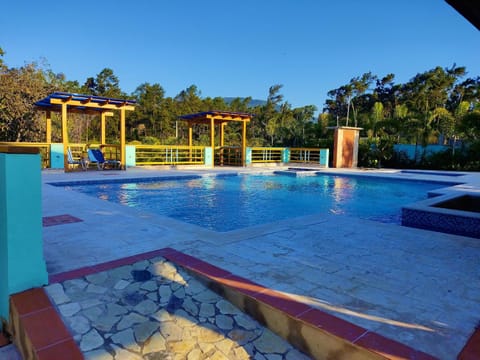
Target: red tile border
x,y
44,327
471,351
59,220
332,324
88,270
67,349
42,335
282,302
240,284
389,348
30,301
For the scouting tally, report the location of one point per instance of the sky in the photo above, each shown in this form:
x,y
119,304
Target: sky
x,y
239,48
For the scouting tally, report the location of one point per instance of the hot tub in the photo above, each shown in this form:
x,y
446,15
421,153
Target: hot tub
x,y
457,214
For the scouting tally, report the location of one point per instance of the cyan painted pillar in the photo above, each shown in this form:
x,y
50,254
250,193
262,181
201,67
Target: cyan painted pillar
x,y
324,155
248,156
286,155
130,156
208,156
56,156
22,265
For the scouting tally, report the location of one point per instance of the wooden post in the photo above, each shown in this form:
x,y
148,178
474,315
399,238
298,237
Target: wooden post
x,y
48,131
65,137
244,143
212,133
122,138
190,141
102,129
222,134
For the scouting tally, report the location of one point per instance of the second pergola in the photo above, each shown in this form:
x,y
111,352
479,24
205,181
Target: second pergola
x,y
220,119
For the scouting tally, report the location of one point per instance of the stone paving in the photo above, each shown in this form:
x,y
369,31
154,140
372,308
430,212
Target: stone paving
x,y
155,310
414,286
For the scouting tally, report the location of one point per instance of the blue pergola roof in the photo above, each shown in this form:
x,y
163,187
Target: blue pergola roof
x,y
218,116
82,103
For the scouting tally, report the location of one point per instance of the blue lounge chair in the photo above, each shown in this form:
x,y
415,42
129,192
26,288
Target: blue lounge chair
x,y
96,157
72,161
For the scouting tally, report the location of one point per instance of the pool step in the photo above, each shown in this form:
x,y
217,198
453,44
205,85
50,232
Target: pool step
x,y
297,172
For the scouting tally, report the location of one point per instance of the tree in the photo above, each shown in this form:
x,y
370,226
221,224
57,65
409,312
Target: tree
x,y
425,95
148,111
20,88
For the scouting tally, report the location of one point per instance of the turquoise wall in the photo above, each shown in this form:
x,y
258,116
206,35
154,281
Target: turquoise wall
x,y
56,156
208,156
21,246
130,156
324,154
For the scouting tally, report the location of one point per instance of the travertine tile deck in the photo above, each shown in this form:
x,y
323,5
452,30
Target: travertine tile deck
x,y
417,287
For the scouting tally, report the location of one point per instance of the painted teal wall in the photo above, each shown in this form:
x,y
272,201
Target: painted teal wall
x,y
208,156
21,246
56,156
324,155
286,155
130,155
248,156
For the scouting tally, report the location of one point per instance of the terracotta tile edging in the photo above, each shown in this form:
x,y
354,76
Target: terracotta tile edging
x,y
361,337
30,311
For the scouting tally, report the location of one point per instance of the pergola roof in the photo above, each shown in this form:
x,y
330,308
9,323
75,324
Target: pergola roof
x,y
217,116
83,103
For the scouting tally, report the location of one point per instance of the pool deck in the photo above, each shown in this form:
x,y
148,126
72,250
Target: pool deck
x,y
418,287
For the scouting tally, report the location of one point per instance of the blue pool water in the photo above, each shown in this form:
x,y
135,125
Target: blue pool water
x,y
232,202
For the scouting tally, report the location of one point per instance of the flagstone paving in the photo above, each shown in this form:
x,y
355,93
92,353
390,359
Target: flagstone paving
x,y
154,310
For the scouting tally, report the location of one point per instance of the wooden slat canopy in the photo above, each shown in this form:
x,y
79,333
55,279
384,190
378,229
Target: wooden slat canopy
x,y
64,102
221,118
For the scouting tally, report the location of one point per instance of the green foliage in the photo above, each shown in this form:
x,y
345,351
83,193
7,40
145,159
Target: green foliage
x,y
435,106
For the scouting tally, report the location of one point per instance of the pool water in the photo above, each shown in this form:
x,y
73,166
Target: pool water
x,y
224,203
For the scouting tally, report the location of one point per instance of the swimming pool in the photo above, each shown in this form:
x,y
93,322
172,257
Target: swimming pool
x,y
225,203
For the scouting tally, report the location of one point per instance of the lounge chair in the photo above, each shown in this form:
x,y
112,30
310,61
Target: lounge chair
x,y
96,157
71,161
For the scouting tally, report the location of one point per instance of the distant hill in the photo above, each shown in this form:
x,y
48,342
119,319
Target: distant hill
x,y
252,103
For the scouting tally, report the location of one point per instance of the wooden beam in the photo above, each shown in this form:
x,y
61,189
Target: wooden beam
x,y
190,134
212,135
222,133
244,144
102,129
103,105
48,130
65,137
122,139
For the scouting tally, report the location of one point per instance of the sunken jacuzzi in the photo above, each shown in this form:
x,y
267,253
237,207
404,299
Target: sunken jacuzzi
x,y
457,214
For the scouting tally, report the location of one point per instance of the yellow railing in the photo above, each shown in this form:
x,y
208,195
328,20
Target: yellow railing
x,y
306,155
169,155
267,154
43,147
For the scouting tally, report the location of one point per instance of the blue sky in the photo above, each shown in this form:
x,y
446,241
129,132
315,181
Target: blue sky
x,y
240,48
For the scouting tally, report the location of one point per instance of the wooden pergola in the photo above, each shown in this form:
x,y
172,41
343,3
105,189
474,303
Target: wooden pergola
x,y
64,103
220,118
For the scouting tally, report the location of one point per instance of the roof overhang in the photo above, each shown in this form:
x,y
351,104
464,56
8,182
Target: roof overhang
x,y
470,10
